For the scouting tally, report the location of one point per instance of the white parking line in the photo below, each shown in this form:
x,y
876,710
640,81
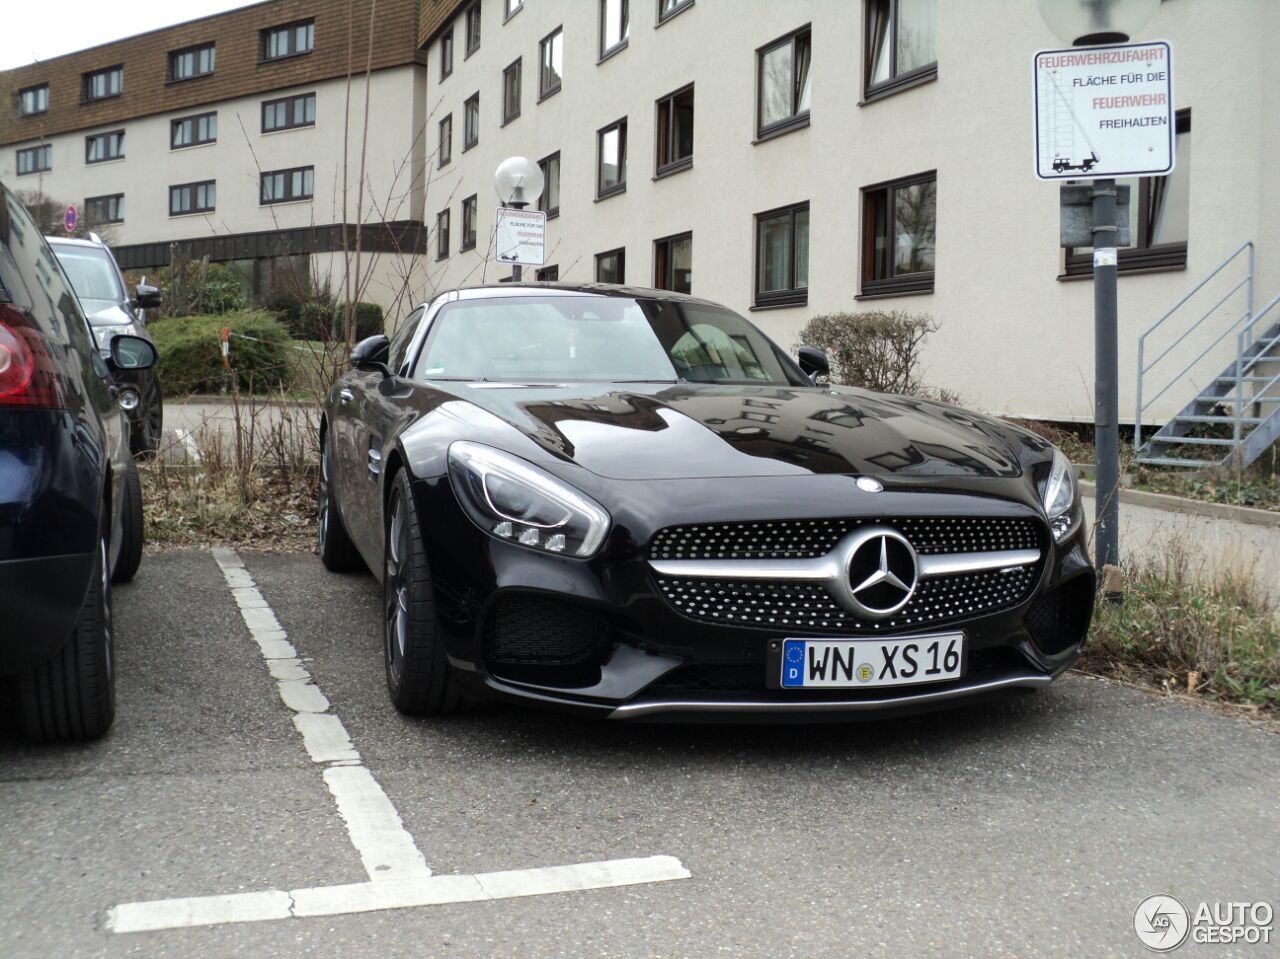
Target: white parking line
x,y
398,873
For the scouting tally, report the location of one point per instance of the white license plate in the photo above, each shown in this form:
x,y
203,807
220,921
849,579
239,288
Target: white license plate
x,y
853,663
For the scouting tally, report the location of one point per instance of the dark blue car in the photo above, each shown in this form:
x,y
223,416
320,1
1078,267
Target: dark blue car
x,y
70,502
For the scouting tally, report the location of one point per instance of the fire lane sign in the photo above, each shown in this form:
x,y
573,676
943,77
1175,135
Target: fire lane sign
x,y
520,236
1104,111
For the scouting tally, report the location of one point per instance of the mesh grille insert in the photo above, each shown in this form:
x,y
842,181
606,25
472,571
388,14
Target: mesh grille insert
x,y
527,629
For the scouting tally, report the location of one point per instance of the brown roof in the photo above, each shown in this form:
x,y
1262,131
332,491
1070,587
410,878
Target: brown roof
x,y
239,71
433,15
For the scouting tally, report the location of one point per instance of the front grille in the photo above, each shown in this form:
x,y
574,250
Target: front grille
x,y
805,606
530,630
807,538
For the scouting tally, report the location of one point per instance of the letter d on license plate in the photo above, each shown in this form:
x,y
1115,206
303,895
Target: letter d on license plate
x,y
853,663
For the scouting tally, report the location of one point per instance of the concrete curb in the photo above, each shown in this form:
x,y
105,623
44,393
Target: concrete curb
x,y
1180,504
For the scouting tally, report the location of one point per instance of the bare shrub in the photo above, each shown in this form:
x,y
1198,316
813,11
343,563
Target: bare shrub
x,y
875,351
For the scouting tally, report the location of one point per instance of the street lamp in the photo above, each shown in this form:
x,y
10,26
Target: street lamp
x,y
519,183
1084,23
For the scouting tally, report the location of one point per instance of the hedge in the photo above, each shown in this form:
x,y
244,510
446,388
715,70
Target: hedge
x,y
190,350
314,320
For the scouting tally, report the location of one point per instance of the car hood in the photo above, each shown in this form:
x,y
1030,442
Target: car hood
x,y
106,313
702,431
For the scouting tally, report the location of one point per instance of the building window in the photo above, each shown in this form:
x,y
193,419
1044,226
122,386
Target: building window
x,y
899,224
442,235
548,274
673,263
468,223
290,40
33,100
1159,213
901,44
446,53
611,266
513,7
102,84
282,186
35,159
289,113
104,209
511,92
611,159
551,60
192,131
101,147
675,131
549,202
669,8
782,256
191,63
446,140
785,82
473,28
471,122
193,198
615,26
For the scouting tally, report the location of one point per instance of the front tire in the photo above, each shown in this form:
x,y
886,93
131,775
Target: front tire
x,y
337,552
419,679
72,695
131,536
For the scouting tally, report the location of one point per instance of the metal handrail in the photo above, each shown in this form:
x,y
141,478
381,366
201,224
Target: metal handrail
x,y
1244,339
1143,368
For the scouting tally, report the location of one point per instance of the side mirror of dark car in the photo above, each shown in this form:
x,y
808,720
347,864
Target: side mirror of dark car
x,y
146,297
813,362
132,353
370,355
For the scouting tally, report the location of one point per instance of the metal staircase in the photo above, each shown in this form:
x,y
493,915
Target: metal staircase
x,y
1234,416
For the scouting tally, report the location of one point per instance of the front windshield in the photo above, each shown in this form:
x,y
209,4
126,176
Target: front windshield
x,y
574,338
93,276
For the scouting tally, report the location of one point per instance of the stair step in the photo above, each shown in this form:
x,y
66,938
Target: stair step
x,y
1193,440
1171,461
1205,398
1223,420
1245,379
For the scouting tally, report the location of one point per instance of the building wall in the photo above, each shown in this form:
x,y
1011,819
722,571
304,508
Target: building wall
x,y
1014,338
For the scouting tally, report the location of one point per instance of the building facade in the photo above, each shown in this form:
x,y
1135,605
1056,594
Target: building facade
x,y
786,159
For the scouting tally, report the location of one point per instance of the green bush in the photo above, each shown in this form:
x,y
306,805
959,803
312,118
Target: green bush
x,y
368,320
190,350
876,351
194,287
314,319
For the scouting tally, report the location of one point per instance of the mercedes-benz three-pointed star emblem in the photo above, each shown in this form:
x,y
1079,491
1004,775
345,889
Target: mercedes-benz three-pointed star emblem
x,y
882,573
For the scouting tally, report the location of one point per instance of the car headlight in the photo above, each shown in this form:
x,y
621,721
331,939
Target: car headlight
x,y
512,499
1058,495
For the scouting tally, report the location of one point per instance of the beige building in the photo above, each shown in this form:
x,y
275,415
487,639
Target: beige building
x,y
785,158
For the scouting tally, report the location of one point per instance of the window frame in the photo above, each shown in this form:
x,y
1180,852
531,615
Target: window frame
x,y
22,110
86,84
194,118
470,207
509,11
662,169
105,135
602,192
793,295
896,82
195,210
444,151
544,165
43,153
667,260
107,197
542,271
474,131
680,7
195,50
516,66
605,52
621,253
442,234
471,18
798,119
543,46
264,40
289,102
446,54
892,285
289,196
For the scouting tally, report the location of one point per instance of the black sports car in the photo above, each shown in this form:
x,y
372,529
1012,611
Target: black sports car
x,y
633,503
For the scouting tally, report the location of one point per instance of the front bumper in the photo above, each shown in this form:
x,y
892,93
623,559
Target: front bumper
x,y
602,637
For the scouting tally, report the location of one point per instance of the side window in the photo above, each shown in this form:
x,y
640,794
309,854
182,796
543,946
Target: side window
x,y
402,338
51,299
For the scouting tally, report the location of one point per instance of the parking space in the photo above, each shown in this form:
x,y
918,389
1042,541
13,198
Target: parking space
x,y
1028,826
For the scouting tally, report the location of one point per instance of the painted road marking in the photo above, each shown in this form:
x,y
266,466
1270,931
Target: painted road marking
x,y
399,877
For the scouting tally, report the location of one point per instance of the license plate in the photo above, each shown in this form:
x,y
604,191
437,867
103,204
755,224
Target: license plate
x,y
854,663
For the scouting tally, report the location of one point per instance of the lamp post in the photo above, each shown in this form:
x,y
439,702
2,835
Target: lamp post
x,y
1084,23
519,183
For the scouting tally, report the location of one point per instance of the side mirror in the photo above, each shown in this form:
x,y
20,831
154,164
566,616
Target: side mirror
x,y
813,362
370,355
145,297
132,353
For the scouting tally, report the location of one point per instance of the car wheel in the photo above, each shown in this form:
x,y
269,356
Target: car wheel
x,y
418,673
337,552
131,535
72,695
147,433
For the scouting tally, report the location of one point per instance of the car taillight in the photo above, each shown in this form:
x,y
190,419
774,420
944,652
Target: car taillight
x,y
27,373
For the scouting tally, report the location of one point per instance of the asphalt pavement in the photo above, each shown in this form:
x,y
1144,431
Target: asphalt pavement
x,y
1032,825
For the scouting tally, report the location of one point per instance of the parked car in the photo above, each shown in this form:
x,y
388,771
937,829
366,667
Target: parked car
x,y
70,501
632,503
100,285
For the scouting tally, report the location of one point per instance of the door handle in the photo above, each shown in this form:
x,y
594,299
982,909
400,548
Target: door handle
x,y
345,395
